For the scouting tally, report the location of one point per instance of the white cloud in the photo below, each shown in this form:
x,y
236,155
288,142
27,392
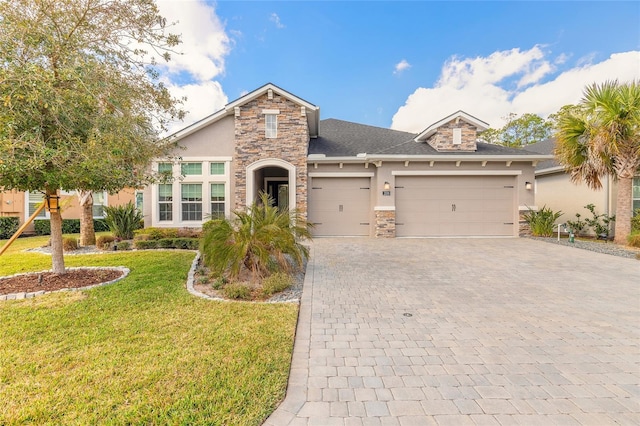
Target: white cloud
x,y
203,99
276,20
491,87
205,45
401,66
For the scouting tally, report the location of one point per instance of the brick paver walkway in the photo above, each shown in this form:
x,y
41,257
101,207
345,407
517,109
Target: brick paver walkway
x,y
465,332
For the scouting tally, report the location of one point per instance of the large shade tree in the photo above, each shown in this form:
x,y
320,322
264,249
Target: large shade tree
x,y
82,105
519,131
601,136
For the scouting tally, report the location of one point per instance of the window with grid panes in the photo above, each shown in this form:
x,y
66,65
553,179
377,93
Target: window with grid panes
x,y
216,168
271,125
165,202
166,168
217,200
191,198
190,169
99,199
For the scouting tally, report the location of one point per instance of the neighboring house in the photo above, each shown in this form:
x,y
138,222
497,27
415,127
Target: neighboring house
x,y
24,204
348,179
554,189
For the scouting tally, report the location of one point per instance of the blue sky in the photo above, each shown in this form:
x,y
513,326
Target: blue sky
x,y
403,64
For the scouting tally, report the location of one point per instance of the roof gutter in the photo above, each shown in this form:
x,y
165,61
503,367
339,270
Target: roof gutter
x,y
364,158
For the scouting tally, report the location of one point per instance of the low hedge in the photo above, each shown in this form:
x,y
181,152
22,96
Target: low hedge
x,y
8,226
168,243
69,226
152,233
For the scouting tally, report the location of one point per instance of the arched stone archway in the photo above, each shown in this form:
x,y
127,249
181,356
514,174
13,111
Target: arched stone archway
x,y
274,176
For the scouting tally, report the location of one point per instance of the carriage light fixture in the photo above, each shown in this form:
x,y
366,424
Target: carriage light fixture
x,y
528,186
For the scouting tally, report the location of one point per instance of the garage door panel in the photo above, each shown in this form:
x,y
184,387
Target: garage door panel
x,y
455,205
340,206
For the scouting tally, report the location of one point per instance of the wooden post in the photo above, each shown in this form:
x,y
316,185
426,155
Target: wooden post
x,y
23,227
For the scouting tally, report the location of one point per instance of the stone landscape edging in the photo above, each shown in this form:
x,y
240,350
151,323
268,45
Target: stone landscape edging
x,y
28,295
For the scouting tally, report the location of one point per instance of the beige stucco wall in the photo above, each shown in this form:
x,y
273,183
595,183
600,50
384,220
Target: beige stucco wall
x,y
557,192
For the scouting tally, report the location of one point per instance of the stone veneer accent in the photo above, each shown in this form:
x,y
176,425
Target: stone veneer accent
x,y
442,139
524,230
385,223
251,145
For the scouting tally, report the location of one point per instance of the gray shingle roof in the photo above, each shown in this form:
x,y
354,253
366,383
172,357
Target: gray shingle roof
x,y
339,138
544,147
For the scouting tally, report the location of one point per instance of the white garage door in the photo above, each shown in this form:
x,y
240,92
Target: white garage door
x,y
440,206
340,206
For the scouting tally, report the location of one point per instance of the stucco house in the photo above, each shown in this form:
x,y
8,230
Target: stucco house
x,y
349,179
553,188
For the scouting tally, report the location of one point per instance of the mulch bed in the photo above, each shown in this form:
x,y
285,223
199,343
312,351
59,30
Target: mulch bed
x,y
48,281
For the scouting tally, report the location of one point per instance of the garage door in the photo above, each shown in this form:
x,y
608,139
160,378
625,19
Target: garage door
x,y
340,206
441,206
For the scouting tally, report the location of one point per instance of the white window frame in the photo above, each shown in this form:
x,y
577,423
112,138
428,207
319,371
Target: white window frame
x,y
105,203
206,179
26,208
270,125
223,202
184,203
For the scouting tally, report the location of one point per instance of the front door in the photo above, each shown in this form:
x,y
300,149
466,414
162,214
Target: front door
x,y
279,191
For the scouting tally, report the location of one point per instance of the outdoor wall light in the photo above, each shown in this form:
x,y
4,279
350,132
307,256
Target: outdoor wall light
x,y
387,186
53,203
528,186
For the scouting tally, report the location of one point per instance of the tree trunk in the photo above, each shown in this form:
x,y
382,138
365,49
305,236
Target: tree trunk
x,y
57,256
87,231
623,210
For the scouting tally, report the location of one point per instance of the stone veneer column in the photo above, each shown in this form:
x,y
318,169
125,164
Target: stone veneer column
x,y
524,230
385,223
251,145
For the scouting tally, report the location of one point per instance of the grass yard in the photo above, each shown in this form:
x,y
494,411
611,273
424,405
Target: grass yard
x,y
140,351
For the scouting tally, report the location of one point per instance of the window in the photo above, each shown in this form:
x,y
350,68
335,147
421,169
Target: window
x,y
217,200
139,201
217,168
191,201
98,204
635,195
35,199
165,202
165,168
271,126
188,169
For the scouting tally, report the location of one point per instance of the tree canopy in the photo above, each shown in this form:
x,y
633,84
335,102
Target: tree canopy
x,y
601,136
519,131
82,104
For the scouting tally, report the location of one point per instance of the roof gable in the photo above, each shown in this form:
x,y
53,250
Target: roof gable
x,y
429,131
312,111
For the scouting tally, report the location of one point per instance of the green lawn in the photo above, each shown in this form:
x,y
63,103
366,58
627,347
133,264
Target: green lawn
x,y
140,351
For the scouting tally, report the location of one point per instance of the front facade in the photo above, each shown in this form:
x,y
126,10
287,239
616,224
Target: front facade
x,y
348,179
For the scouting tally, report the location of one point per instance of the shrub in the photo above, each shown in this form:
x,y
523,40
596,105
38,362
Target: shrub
x,y
276,283
237,290
186,243
8,227
634,239
599,222
578,225
189,233
541,222
122,245
255,239
69,226
218,283
103,241
69,244
158,233
123,220
635,221
145,244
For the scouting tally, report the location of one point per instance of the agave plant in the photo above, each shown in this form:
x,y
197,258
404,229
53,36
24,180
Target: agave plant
x,y
262,239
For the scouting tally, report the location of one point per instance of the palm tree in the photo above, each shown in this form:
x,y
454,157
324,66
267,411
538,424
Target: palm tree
x,y
601,136
262,240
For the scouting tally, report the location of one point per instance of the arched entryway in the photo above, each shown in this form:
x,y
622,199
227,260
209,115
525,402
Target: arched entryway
x,y
275,177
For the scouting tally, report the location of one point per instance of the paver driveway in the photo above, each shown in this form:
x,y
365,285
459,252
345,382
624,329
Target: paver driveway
x,y
465,331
